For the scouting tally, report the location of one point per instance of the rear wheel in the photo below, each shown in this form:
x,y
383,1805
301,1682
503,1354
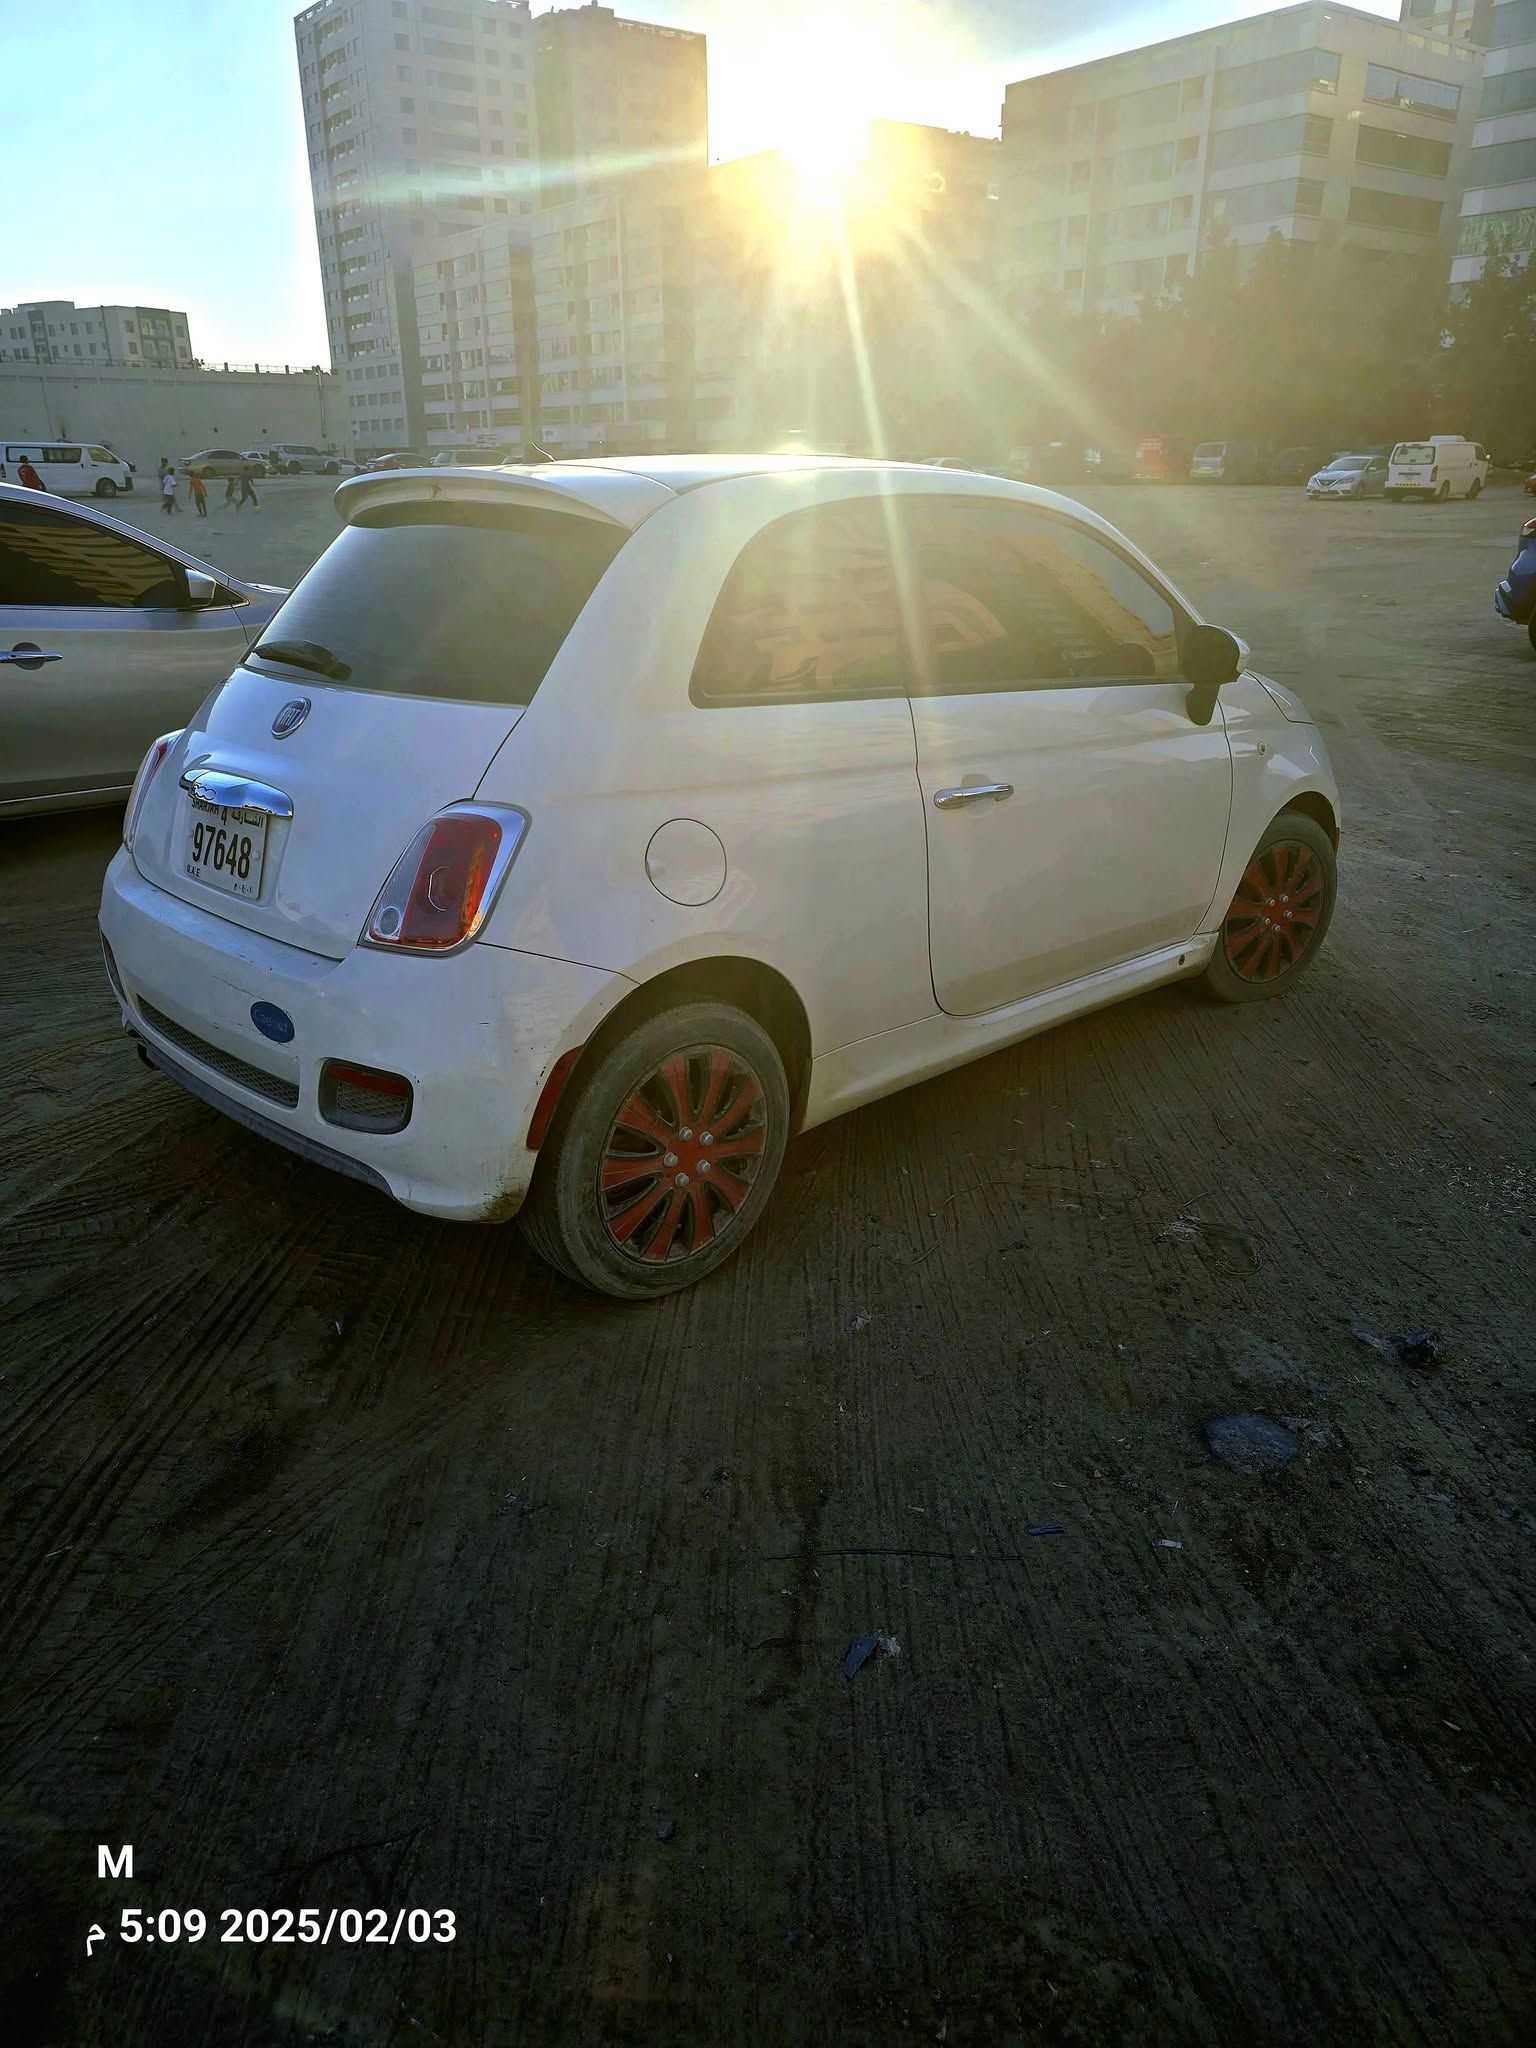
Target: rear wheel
x,y
1475,486
664,1155
105,488
1444,492
294,468
1280,914
1531,632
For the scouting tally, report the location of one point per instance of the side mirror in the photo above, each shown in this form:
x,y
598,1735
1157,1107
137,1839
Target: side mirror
x,y
1212,656
201,590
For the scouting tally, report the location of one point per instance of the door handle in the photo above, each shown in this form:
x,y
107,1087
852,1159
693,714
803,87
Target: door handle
x,y
971,793
27,654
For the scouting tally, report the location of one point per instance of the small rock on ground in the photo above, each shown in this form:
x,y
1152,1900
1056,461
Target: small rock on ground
x,y
1250,1443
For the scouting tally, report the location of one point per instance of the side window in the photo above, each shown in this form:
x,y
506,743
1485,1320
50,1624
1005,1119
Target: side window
x,y
61,454
19,451
809,610
47,558
1015,597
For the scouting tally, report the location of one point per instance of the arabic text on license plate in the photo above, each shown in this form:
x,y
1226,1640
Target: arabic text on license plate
x,y
226,849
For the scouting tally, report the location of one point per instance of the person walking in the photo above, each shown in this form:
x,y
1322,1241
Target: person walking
x,y
26,474
198,495
247,488
229,488
160,472
168,492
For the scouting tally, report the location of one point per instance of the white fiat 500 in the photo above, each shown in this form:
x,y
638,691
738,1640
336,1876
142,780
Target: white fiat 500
x,y
576,835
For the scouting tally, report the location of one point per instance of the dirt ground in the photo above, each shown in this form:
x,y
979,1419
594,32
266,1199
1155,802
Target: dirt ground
x,y
349,1560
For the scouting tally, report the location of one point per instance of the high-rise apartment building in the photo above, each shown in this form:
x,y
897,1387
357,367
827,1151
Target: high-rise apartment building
x,y
613,299
420,123
59,331
616,97
473,296
1498,209
1333,127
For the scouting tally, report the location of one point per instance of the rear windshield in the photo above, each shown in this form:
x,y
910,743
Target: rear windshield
x,y
460,601
1212,448
1414,451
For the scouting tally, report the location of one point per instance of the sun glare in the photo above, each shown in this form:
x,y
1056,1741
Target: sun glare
x,y
824,149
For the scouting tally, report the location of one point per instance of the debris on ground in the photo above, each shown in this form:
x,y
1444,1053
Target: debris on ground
x,y
1322,1436
665,1830
862,1648
1417,1347
1181,1226
1047,1529
1250,1443
1403,1347
1169,1543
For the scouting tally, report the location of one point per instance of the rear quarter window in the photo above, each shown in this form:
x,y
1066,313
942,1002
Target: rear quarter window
x,y
465,602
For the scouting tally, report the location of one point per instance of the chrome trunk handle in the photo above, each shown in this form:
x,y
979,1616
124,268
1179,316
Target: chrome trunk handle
x,y
235,792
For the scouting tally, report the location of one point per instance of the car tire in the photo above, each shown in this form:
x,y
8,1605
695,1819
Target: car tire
x,y
331,469
1256,956
612,1206
1531,632
294,468
105,488
1442,496
1474,487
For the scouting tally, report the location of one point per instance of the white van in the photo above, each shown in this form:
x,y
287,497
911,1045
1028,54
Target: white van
x,y
1444,466
75,469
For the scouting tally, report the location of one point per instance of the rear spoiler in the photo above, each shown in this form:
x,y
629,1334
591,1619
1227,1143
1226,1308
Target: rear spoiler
x,y
612,497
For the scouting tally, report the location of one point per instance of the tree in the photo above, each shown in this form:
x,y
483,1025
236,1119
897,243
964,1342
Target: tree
x,y
1487,385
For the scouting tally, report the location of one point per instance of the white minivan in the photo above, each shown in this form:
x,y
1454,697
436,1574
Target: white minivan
x,y
74,469
1444,466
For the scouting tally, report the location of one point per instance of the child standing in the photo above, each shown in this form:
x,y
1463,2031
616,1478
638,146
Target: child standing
x,y
168,492
198,495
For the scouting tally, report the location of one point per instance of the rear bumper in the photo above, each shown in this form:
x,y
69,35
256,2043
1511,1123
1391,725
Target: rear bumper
x,y
475,1034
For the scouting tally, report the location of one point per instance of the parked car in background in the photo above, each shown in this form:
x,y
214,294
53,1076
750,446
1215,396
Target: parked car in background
x,y
72,469
401,458
463,818
1350,476
1439,467
1225,462
256,458
1515,597
469,458
1162,459
1296,465
1056,462
107,637
295,458
216,462
1530,486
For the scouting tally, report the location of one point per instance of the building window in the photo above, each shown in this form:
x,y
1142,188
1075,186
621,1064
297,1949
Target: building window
x,y
1481,233
1418,153
1404,89
1192,92
402,42
1502,163
1275,78
1181,212
1082,174
1292,135
1175,270
1187,149
1509,94
1278,200
1394,210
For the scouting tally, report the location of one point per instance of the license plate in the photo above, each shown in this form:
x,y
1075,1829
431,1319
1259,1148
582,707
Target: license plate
x,y
225,849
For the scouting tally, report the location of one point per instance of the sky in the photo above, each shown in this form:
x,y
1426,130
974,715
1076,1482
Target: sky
x,y
172,171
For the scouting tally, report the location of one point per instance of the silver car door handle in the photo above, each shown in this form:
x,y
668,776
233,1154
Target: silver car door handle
x,y
235,792
971,793
28,657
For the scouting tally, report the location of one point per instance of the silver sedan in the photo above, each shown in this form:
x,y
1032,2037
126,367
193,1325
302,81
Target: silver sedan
x,y
107,639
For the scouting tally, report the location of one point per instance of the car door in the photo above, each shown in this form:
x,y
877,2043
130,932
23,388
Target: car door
x,y
1076,811
100,651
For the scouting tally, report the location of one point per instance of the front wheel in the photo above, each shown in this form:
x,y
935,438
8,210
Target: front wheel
x,y
663,1157
294,468
331,469
105,488
1280,914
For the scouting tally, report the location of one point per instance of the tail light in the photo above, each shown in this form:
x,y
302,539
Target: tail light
x,y
1434,472
441,889
148,768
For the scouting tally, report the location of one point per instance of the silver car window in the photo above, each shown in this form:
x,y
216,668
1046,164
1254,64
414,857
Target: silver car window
x,y
51,558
